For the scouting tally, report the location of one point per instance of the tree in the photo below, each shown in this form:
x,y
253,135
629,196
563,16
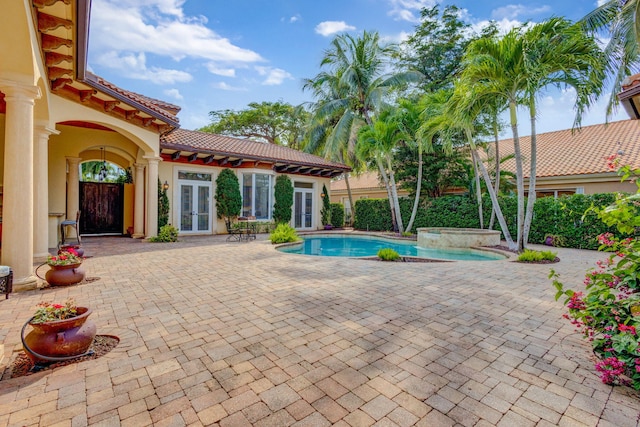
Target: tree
x,y
621,20
436,47
325,212
273,122
228,197
352,87
283,194
377,142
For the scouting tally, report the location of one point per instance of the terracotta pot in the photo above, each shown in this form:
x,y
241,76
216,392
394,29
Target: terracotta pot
x,y
64,275
61,338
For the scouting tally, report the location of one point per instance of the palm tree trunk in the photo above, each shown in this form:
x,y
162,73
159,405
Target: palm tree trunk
x,y
385,178
519,175
416,201
496,188
474,158
394,193
494,198
352,208
531,200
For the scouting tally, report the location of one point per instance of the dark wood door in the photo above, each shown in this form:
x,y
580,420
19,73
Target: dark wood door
x,y
101,204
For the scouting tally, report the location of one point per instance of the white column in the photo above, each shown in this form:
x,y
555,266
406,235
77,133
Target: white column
x,y
41,191
73,190
138,207
17,215
152,195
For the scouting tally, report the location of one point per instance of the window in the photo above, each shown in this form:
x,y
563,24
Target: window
x,y
256,195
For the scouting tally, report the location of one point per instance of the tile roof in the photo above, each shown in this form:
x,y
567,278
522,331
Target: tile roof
x,y
165,109
366,180
583,152
196,141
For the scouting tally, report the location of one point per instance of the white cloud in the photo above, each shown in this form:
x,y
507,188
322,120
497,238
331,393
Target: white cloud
x,y
173,93
294,18
225,86
503,25
160,27
601,2
135,66
409,10
226,72
513,11
275,76
328,28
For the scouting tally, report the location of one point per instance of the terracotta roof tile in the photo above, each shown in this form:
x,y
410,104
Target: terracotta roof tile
x,y
583,152
163,108
367,180
190,140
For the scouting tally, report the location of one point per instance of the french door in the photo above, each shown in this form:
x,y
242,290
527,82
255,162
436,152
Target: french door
x,y
303,209
195,206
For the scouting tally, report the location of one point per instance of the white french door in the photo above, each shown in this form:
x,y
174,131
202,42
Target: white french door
x,y
195,206
303,209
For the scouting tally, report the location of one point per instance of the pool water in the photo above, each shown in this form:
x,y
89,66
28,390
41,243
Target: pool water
x,y
363,246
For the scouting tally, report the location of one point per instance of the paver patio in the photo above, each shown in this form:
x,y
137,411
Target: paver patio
x,y
233,334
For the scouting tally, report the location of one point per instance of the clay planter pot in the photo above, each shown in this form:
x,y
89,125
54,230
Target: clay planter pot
x,y
64,275
61,338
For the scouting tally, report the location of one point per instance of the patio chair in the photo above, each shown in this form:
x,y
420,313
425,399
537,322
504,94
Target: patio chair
x,y
234,233
73,224
6,280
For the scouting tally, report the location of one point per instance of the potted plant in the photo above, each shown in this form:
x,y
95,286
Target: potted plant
x,y
60,332
554,240
64,268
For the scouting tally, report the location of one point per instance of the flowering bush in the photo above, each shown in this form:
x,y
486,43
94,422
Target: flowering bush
x,y
47,312
608,314
68,257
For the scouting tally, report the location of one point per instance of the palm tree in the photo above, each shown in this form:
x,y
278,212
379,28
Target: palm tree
x,y
350,90
621,19
517,66
377,142
558,52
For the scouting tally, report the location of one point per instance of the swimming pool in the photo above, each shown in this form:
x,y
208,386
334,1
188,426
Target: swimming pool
x,y
364,246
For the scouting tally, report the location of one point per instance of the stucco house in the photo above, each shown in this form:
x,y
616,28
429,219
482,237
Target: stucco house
x,y
55,115
568,162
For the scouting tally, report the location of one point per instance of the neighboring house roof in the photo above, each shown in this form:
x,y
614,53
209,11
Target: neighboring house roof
x,y
208,148
364,181
579,152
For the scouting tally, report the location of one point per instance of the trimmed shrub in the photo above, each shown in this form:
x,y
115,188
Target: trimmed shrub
x,y
168,233
283,233
325,212
283,194
228,197
564,217
388,254
163,206
337,214
535,256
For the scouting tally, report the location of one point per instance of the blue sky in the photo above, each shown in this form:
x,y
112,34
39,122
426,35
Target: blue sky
x,y
209,55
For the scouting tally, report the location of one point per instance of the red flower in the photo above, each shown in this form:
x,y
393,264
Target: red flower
x,y
625,328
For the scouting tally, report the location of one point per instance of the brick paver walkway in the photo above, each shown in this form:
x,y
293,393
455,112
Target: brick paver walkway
x,y
234,334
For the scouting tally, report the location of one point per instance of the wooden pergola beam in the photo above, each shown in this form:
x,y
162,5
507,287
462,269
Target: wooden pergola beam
x,y
175,156
192,157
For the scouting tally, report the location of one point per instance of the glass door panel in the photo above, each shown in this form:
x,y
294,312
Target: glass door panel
x,y
203,208
186,207
308,212
297,203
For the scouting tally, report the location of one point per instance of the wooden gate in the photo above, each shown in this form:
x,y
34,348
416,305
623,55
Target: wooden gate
x,y
101,204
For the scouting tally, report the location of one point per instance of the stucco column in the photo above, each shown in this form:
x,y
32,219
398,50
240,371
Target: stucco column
x,y
17,215
138,206
73,188
41,191
152,195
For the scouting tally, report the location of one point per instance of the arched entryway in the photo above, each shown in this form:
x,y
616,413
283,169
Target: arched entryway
x,y
105,191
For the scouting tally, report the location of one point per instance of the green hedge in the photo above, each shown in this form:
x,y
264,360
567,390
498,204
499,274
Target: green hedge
x,y
564,216
337,215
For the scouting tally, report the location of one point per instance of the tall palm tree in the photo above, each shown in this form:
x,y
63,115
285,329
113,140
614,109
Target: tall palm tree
x,y
558,52
621,20
350,90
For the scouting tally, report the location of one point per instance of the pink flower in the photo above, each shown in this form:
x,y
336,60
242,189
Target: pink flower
x,y
610,368
625,328
576,302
